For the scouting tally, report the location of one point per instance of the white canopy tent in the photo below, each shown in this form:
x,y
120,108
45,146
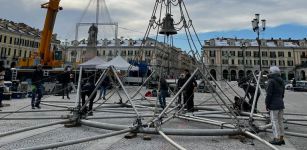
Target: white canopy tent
x,y
119,63
92,63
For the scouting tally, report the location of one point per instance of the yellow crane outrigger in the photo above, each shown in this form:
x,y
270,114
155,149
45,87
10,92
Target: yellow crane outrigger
x,y
45,54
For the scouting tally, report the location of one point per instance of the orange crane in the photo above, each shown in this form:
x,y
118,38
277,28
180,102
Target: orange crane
x,y
45,55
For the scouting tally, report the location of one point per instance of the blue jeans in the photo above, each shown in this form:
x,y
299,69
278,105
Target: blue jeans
x,y
103,91
37,89
162,96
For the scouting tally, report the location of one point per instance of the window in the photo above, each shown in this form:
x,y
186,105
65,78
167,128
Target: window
x,y
0,38
9,52
130,53
273,62
256,54
14,53
25,54
20,53
224,53
232,53
232,61
11,40
123,53
241,62
281,63
264,54
281,54
265,62
256,62
212,53
290,63
225,61
110,53
240,54
212,61
289,54
4,40
248,54
272,54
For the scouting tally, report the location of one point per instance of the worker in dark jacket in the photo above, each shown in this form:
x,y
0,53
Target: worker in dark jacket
x,y
37,86
250,92
87,89
275,104
65,79
180,83
163,89
189,91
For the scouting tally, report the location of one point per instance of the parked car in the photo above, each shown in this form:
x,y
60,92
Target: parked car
x,y
300,86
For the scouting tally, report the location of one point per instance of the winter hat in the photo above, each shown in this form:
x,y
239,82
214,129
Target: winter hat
x,y
274,70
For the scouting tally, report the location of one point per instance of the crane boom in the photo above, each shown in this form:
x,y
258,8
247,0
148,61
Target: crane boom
x,y
44,55
44,50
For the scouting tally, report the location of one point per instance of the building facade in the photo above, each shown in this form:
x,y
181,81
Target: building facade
x,y
18,40
156,55
231,59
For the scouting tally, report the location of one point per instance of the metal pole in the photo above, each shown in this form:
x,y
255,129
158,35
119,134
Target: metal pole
x,y
171,141
101,78
35,118
120,116
71,142
259,43
77,102
260,140
128,96
53,105
169,131
174,98
137,91
255,95
34,127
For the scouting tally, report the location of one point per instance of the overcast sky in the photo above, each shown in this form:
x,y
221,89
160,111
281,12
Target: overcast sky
x,y
207,15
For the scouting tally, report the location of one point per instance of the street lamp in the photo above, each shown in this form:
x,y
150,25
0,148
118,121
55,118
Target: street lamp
x,y
257,29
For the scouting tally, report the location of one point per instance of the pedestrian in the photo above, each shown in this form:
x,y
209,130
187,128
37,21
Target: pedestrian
x,y
2,86
180,83
37,86
189,91
65,79
275,104
87,89
293,83
163,91
103,87
250,91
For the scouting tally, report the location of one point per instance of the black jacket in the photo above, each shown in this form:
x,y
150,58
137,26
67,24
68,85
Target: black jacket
x,y
180,82
163,84
190,86
37,77
275,93
65,77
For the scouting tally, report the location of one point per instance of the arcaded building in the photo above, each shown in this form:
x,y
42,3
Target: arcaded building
x,y
231,59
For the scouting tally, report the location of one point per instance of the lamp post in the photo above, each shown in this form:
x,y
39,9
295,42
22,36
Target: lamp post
x,y
228,54
257,29
243,47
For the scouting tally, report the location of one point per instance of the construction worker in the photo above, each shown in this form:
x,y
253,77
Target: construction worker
x,y
37,86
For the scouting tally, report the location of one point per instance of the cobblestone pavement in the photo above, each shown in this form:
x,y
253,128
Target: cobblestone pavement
x,y
296,102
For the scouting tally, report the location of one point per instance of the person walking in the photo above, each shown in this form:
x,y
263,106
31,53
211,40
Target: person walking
x,y
163,89
275,104
180,83
87,89
189,91
103,88
2,74
65,79
37,87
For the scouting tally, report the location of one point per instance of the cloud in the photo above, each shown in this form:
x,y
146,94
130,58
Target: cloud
x,y
207,16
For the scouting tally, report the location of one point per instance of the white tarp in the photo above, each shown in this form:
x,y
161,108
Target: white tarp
x,y
119,63
92,63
